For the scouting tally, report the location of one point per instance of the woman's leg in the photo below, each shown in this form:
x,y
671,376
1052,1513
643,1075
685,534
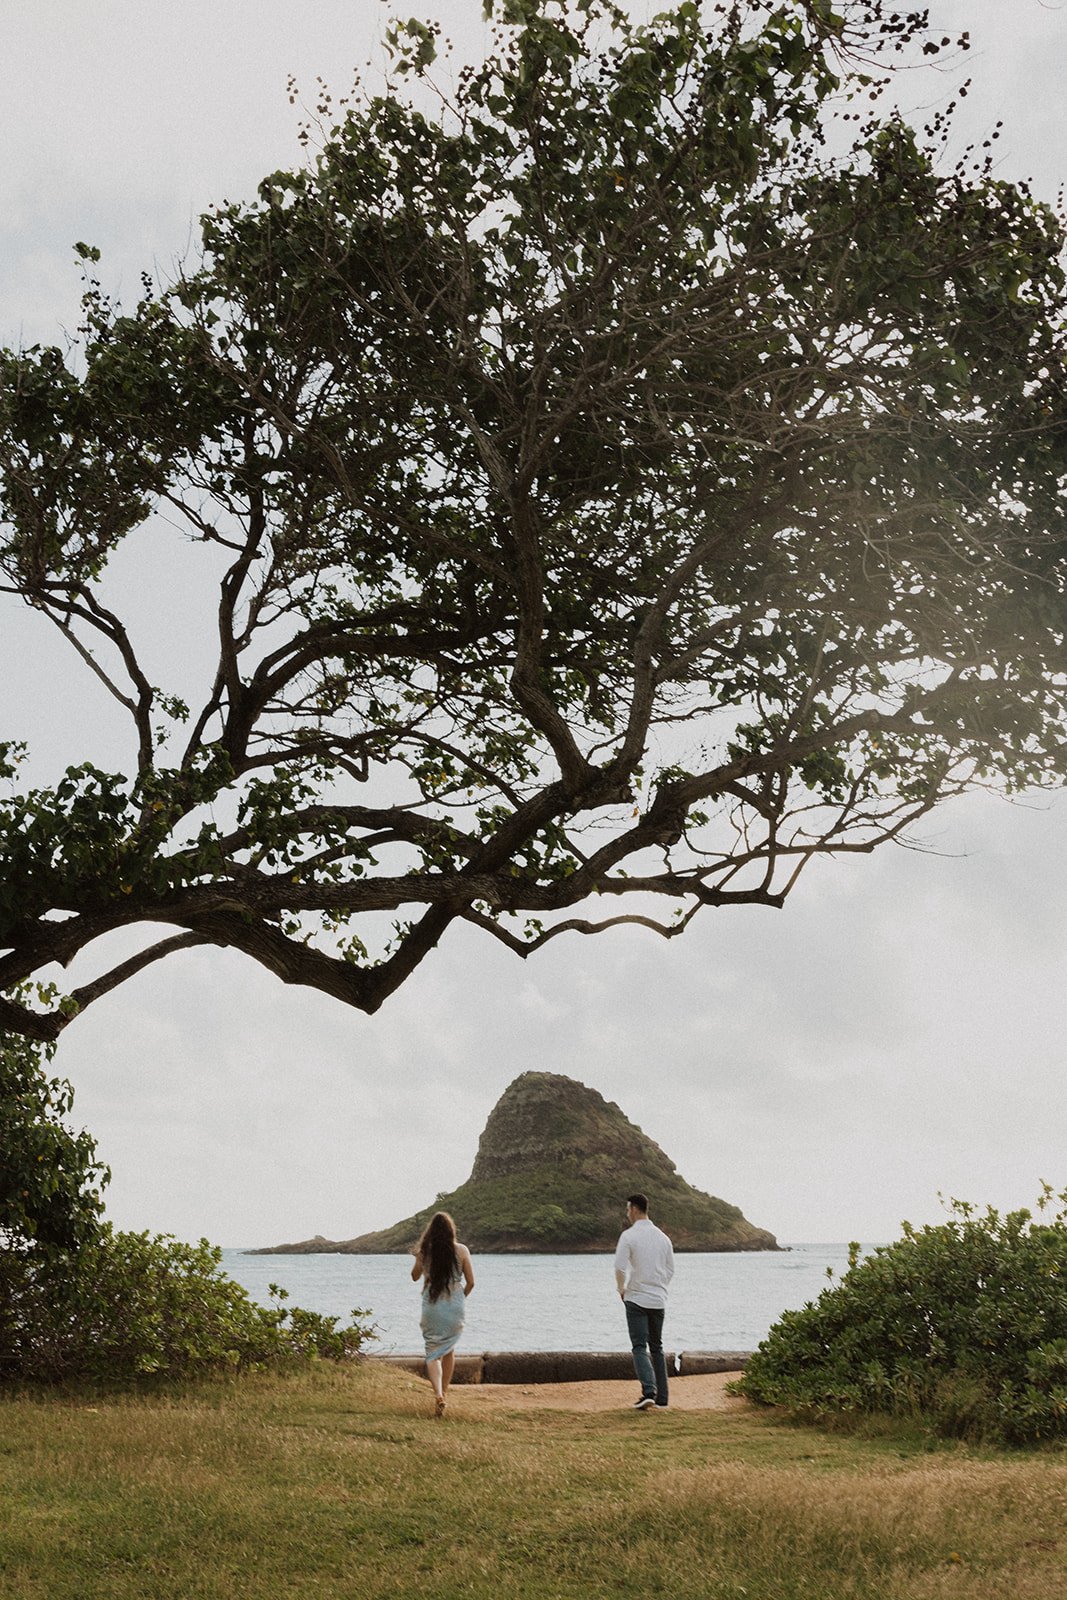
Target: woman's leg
x,y
447,1363
433,1372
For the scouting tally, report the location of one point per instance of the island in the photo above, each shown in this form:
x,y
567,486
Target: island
x,y
555,1163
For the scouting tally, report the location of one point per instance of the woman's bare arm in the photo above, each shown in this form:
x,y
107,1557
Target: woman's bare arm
x,y
416,1267
468,1268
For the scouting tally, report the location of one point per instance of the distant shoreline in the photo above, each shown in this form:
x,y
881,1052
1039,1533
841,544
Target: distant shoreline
x,y
328,1249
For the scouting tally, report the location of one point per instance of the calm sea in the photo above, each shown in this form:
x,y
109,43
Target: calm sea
x,y
717,1302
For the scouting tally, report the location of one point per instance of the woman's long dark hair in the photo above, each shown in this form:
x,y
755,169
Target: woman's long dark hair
x,y
437,1248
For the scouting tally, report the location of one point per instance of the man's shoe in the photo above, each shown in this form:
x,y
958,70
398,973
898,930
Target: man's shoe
x,y
643,1404
663,1405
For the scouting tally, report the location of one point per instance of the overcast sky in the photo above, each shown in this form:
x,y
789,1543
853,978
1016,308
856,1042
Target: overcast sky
x,y
896,1031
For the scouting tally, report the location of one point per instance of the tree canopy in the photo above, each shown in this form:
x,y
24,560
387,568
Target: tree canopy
x,y
636,467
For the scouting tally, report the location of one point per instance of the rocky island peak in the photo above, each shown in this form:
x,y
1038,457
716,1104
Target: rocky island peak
x,y
554,1162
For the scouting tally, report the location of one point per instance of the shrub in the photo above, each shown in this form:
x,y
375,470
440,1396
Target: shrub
x,y
49,1176
964,1324
128,1305
80,1301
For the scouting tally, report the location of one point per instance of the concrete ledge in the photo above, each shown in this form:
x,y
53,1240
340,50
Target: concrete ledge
x,y
569,1366
468,1369
693,1362
555,1366
578,1366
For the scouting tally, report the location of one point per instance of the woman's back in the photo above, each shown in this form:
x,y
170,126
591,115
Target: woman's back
x,y
447,1274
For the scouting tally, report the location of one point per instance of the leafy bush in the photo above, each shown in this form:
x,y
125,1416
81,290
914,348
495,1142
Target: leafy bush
x,y
964,1324
78,1300
127,1305
49,1176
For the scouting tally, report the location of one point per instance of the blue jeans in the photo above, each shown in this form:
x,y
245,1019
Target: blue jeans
x,y
645,1324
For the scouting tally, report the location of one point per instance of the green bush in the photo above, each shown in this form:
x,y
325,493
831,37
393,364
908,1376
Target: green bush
x,y
125,1306
963,1324
49,1176
80,1301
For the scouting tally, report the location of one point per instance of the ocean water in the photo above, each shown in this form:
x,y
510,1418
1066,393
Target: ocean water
x,y
717,1302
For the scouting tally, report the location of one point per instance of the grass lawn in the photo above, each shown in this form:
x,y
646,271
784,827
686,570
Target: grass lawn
x,y
337,1483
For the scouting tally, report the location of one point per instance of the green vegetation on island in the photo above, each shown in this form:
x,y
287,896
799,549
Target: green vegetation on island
x,y
554,1164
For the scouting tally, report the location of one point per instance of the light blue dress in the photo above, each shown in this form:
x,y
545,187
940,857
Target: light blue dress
x,y
442,1319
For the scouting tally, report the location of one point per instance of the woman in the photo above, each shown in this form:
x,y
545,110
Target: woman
x,y
445,1266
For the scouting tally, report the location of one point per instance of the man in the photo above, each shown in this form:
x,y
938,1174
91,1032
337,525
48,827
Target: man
x,y
644,1267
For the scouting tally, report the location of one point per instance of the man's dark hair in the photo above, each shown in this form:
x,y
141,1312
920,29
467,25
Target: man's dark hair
x,y
638,1201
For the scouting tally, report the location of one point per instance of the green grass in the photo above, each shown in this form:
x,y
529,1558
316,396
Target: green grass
x,y
337,1483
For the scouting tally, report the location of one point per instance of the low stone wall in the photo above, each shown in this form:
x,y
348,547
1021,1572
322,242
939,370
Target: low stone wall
x,y
569,1366
692,1362
468,1369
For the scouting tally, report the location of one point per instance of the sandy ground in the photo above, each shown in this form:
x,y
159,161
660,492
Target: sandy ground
x,y
698,1393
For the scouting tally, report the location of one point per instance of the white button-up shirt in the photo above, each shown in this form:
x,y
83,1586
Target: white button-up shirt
x,y
644,1264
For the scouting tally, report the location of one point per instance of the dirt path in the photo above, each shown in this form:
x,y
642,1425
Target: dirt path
x,y
698,1393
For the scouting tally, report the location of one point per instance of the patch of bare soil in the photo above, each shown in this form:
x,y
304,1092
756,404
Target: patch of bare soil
x,y
702,1392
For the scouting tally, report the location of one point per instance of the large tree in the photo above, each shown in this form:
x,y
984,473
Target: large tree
x,y
637,470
